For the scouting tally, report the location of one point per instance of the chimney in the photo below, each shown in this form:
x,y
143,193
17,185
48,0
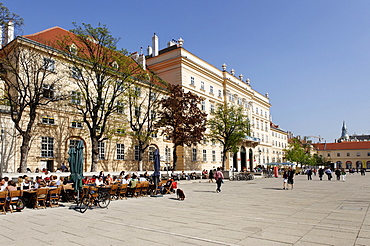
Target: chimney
x,y
155,45
9,33
142,61
149,50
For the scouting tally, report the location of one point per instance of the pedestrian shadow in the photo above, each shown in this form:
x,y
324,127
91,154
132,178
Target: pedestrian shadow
x,y
211,191
273,188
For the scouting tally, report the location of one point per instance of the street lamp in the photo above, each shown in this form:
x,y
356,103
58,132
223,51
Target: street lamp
x,y
2,153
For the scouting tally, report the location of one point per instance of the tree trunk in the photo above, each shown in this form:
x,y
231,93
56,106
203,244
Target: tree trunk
x,y
223,158
94,154
174,153
24,153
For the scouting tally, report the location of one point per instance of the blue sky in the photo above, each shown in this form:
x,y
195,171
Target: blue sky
x,y
311,56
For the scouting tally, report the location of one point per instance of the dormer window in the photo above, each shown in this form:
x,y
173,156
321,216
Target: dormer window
x,y
73,49
115,65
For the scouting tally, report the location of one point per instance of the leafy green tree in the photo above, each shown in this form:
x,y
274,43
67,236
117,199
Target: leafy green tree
x,y
229,125
181,119
101,74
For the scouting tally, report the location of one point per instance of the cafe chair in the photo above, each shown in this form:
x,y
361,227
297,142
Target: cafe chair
x,y
3,203
113,192
136,191
122,191
145,188
40,198
15,200
54,197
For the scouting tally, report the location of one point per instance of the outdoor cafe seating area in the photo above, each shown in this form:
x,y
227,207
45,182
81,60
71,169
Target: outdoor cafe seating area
x,y
49,195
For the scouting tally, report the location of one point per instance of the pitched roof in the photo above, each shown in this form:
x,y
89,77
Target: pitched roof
x,y
342,146
49,35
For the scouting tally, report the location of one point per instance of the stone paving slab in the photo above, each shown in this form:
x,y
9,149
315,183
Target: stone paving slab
x,y
256,212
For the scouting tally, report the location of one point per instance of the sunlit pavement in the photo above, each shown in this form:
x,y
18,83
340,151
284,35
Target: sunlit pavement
x,y
256,212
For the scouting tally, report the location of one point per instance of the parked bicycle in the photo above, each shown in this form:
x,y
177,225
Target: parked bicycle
x,y
241,176
98,196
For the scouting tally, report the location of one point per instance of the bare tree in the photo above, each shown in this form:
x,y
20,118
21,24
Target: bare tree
x,y
30,82
143,101
100,75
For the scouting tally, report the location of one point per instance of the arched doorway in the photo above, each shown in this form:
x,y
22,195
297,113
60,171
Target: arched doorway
x,y
339,164
349,164
235,160
250,159
243,158
358,165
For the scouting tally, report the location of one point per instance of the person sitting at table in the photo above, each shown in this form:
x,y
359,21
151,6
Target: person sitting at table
x,y
142,178
37,182
133,181
126,180
174,176
92,180
11,186
99,182
115,180
26,184
2,184
53,184
108,180
101,174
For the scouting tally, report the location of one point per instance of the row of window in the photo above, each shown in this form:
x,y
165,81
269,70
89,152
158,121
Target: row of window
x,y
349,154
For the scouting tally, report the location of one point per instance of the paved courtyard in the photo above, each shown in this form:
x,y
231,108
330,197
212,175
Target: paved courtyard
x,y
256,212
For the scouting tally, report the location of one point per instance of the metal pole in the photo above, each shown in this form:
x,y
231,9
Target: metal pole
x,y
2,153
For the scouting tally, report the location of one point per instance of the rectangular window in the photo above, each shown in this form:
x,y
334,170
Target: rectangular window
x,y
212,109
76,97
137,112
120,107
368,153
154,135
48,120
76,73
167,154
328,154
153,115
194,154
120,151
348,154
136,149
358,154
49,64
213,142
48,91
76,124
47,147
203,108
192,81
120,85
151,153
213,155
211,89
153,96
219,93
202,85
101,148
204,155
120,131
338,154
137,91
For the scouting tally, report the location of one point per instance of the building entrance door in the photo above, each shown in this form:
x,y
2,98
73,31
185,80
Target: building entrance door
x,y
250,159
243,158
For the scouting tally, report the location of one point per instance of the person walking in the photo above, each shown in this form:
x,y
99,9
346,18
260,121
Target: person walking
x,y
291,173
218,175
344,174
321,173
328,172
285,180
309,174
338,173
211,176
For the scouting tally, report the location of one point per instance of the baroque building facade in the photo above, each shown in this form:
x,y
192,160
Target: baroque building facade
x,y
59,126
